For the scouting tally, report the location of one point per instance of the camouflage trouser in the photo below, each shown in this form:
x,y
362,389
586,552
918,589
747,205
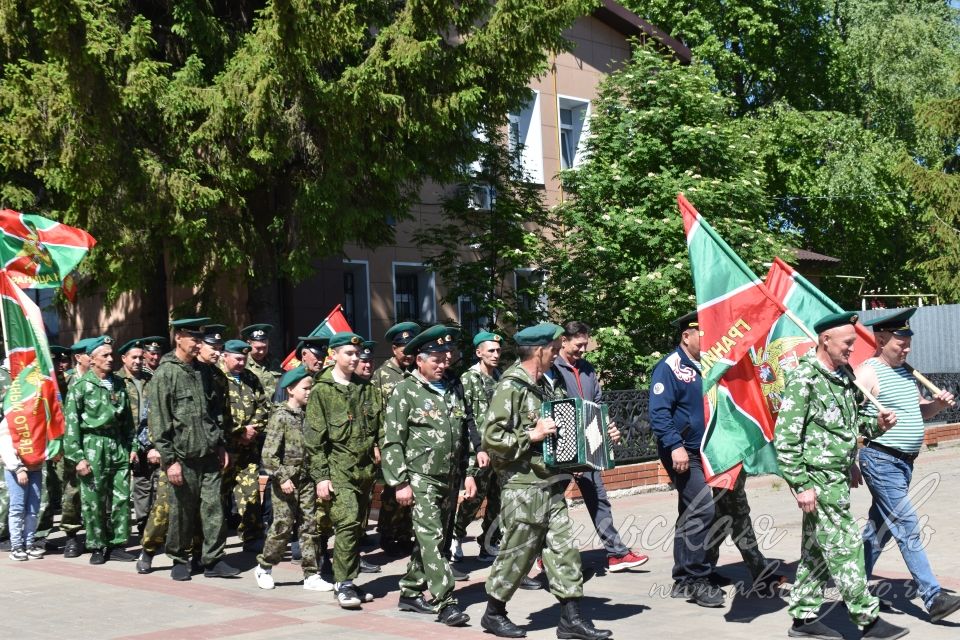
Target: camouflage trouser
x,y
70,512
158,522
105,492
144,493
732,518
487,487
51,494
832,548
535,522
196,507
347,507
4,507
289,511
394,522
434,498
241,483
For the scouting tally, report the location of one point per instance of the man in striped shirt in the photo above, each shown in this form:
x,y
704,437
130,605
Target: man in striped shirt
x,y
886,461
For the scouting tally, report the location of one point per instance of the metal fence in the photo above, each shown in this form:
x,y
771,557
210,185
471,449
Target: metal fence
x,y
630,410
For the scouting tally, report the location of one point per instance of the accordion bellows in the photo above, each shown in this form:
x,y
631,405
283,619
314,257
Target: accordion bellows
x,y
581,442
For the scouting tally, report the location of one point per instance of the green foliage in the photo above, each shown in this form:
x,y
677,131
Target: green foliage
x,y
619,260
478,251
250,137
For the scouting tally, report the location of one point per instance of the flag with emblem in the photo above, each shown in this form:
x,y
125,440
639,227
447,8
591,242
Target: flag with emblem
x,y
37,252
781,349
735,311
31,406
335,322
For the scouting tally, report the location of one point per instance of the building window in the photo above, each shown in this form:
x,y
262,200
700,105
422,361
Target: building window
x,y
471,322
524,131
574,116
414,294
528,283
356,296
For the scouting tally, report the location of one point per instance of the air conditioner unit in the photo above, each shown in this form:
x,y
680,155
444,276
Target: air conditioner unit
x,y
482,197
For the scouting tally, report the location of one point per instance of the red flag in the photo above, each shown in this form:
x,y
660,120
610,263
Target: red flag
x,y
335,322
38,252
32,405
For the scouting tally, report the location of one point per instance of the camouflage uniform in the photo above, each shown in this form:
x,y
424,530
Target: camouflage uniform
x,y
394,522
188,414
425,442
145,475
70,511
268,373
249,405
99,429
533,511
51,489
732,518
478,389
816,440
285,458
342,427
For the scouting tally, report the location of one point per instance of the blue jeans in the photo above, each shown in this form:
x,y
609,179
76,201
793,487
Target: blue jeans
x,y
24,508
892,515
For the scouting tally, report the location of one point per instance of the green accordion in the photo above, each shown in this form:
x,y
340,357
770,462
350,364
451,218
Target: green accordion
x,y
581,442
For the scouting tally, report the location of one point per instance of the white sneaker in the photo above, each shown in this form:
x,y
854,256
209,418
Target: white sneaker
x,y
456,550
316,583
264,577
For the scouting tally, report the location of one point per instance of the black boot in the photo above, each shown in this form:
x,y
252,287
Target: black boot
x,y
573,625
495,620
880,629
72,548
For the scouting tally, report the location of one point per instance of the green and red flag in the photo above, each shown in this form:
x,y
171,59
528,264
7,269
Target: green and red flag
x,y
37,252
781,349
735,312
335,322
32,405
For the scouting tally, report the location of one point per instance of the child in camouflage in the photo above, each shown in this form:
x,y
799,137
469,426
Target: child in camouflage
x,y
294,493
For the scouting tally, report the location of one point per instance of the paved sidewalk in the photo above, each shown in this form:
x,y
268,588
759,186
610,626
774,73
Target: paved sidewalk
x,y
62,598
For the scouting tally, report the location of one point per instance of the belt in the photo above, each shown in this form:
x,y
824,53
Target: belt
x,y
890,451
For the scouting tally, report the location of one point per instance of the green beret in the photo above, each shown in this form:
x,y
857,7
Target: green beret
x,y
154,344
538,335
237,346
686,321
95,343
213,334
193,326
344,338
293,376
485,336
136,343
896,323
256,332
366,349
59,352
437,338
80,346
402,333
317,344
834,320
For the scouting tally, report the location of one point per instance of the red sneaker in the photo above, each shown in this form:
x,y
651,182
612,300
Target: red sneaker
x,y
628,561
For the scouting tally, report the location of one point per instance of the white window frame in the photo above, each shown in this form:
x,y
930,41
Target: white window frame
x,y
366,301
482,321
426,277
580,130
529,123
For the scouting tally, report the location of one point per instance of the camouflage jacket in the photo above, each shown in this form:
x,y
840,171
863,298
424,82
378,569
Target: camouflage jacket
x,y
477,390
269,374
425,431
513,412
187,409
93,408
5,382
284,451
819,422
249,405
138,396
342,426
386,378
